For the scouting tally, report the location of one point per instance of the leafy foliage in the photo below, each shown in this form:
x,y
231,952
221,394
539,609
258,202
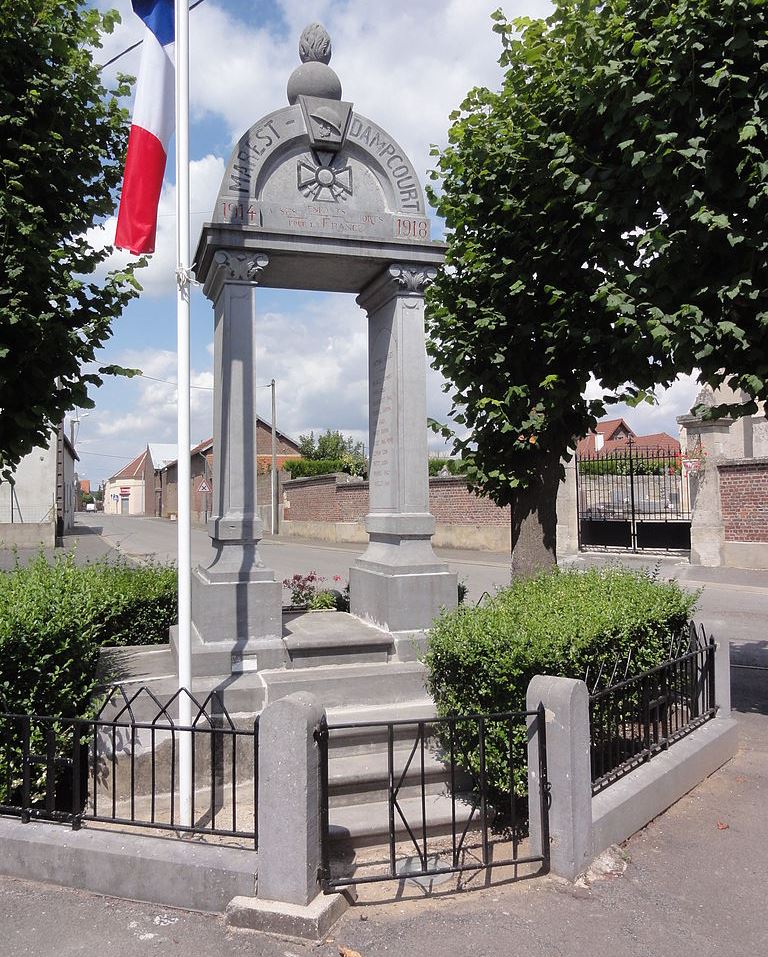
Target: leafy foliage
x,y
63,139
55,617
330,445
607,214
481,659
454,466
302,468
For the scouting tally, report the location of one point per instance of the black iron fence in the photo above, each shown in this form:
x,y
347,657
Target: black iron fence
x,y
633,498
120,767
455,792
637,717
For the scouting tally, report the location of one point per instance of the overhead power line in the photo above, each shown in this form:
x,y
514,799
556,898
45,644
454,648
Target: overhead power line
x,y
205,388
138,43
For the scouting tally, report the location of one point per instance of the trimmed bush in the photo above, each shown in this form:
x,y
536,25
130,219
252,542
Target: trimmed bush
x,y
480,660
54,618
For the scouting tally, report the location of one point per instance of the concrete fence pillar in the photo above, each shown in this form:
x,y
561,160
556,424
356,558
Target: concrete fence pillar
x,y
290,900
566,704
723,678
289,799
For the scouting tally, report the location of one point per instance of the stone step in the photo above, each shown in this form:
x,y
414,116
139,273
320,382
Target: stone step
x,y
367,825
363,740
314,639
364,779
337,686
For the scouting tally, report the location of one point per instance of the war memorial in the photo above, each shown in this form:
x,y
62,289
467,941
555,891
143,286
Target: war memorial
x,y
318,197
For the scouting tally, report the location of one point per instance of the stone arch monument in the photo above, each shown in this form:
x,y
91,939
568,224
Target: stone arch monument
x,y
317,197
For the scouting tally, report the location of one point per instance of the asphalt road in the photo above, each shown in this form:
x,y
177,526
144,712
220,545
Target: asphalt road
x,y
733,603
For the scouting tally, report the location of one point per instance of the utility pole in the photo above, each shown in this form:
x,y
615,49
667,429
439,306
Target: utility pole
x,y
275,519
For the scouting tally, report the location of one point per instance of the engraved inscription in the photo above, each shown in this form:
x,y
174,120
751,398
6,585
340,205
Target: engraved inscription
x,y
401,170
260,140
383,417
325,218
411,228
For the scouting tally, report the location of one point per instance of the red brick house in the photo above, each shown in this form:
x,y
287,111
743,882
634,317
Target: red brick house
x,y
202,457
613,435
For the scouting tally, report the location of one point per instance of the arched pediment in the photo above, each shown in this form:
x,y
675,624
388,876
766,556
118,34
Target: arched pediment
x,y
280,179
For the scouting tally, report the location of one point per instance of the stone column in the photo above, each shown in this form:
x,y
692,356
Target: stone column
x,y
236,602
568,511
398,583
714,439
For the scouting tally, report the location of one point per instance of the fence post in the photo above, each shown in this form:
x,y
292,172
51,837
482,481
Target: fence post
x,y
289,898
722,666
566,704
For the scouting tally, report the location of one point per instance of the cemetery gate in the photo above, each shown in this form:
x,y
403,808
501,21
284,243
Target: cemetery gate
x,y
633,499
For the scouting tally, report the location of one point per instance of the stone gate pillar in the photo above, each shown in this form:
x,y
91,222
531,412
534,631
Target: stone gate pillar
x,y
399,583
236,602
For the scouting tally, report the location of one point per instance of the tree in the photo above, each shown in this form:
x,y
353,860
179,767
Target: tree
x,y
607,214
331,445
63,140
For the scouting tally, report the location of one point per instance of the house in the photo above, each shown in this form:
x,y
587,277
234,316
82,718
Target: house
x,y
202,458
132,490
39,506
614,435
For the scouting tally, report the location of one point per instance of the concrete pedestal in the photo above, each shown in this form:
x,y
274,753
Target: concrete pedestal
x,y
399,583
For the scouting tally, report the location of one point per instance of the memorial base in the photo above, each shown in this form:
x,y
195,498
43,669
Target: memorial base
x,y
400,600
237,625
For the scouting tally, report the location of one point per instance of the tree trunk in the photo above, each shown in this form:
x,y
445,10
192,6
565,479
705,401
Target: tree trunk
x,y
534,521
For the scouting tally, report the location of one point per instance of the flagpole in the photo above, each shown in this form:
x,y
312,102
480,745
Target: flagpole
x,y
183,527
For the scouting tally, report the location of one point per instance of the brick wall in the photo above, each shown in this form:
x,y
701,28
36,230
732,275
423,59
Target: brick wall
x,y
451,502
324,499
311,499
744,500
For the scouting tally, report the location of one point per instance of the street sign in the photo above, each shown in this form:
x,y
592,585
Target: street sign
x,y
204,487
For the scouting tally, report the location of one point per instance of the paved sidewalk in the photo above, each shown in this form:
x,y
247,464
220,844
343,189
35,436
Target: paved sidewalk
x,y
695,885
86,542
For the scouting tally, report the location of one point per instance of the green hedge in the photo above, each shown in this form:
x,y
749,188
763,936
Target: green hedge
x,y
301,468
454,466
480,660
54,617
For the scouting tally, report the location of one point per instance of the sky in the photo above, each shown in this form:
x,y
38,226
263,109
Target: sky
x,y
405,64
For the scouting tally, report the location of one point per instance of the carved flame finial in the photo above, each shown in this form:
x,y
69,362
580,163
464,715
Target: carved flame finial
x,y
315,44
313,76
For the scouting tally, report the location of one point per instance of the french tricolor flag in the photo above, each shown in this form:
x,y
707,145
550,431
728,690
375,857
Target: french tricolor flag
x,y
153,122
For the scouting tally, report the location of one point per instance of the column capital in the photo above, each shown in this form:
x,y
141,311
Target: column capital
x,y
399,279
234,265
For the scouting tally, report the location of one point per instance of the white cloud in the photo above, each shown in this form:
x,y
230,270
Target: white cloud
x,y
157,278
141,410
432,54
661,416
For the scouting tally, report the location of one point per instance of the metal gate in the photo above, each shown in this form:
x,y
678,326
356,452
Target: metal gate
x,y
633,499
454,791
